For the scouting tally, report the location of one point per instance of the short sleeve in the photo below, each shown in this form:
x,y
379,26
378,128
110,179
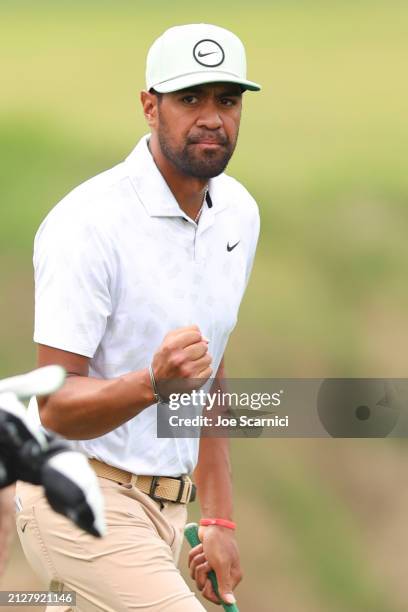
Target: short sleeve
x,y
255,227
72,285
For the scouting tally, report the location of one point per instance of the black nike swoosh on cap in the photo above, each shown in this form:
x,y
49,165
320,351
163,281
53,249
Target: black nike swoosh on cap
x,y
230,248
204,54
24,526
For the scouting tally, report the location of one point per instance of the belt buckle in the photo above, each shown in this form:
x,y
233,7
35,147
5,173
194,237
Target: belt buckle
x,y
186,481
153,486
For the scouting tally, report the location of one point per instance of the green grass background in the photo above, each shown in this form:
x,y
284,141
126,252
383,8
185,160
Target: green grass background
x,y
324,150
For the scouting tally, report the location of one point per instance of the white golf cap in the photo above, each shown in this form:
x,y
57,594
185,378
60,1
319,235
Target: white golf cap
x,y
195,54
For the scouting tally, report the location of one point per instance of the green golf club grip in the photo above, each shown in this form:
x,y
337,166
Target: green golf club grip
x,y
191,533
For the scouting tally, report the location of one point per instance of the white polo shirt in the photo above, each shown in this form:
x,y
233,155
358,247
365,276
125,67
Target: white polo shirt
x,y
118,265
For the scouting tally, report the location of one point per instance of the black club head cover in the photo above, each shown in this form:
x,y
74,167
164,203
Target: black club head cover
x,y
21,445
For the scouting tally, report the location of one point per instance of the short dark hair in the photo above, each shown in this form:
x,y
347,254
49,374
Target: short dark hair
x,y
158,95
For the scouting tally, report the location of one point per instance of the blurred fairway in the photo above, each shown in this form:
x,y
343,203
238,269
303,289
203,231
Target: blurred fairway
x,y
324,150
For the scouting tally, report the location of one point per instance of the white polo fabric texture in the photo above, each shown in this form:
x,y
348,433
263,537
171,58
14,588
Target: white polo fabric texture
x,y
118,265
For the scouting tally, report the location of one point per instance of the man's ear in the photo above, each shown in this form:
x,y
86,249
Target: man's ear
x,y
149,104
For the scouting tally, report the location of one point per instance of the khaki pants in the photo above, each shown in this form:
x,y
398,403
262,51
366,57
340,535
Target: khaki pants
x,y
134,567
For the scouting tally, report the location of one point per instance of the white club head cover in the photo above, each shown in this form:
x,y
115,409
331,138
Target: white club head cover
x,y
42,381
72,488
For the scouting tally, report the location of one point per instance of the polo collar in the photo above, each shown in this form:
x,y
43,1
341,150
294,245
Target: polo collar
x,y
152,189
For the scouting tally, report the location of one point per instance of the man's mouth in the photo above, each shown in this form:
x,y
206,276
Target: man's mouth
x,y
209,142
212,144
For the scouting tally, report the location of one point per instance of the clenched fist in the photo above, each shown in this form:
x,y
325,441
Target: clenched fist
x,y
182,362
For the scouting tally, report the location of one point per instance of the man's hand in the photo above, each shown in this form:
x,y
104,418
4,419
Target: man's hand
x,y
183,360
219,552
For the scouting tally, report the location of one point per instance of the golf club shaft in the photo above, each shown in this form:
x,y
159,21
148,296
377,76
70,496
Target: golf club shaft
x,y
191,534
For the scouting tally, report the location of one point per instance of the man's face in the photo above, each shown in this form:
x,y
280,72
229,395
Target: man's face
x,y
197,128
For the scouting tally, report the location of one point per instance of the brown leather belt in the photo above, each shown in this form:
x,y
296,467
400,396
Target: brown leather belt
x,y
160,488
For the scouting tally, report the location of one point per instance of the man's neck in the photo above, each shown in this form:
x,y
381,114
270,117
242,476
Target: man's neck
x,y
188,191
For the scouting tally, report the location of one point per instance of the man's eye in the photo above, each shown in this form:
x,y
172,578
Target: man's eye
x,y
227,102
190,99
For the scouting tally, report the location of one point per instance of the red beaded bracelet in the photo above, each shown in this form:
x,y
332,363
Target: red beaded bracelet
x,y
217,521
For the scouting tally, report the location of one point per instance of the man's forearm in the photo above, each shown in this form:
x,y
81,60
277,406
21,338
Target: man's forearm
x,y
89,407
213,478
213,472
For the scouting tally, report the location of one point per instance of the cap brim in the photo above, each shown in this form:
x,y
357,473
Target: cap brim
x,y
200,78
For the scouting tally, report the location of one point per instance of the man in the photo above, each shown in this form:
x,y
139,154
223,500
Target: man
x,y
139,275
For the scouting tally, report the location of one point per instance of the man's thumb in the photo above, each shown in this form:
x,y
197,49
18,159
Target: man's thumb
x,y
227,596
225,592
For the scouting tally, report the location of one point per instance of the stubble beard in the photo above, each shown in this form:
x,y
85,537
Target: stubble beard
x,y
203,164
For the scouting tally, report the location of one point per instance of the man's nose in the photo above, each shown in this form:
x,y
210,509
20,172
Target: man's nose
x,y
209,117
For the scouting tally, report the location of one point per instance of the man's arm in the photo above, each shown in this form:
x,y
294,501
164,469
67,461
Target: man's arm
x,y
218,550
88,407
213,472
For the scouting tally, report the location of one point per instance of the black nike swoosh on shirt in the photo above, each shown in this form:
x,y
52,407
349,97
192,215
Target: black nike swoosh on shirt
x,y
230,248
204,54
23,527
